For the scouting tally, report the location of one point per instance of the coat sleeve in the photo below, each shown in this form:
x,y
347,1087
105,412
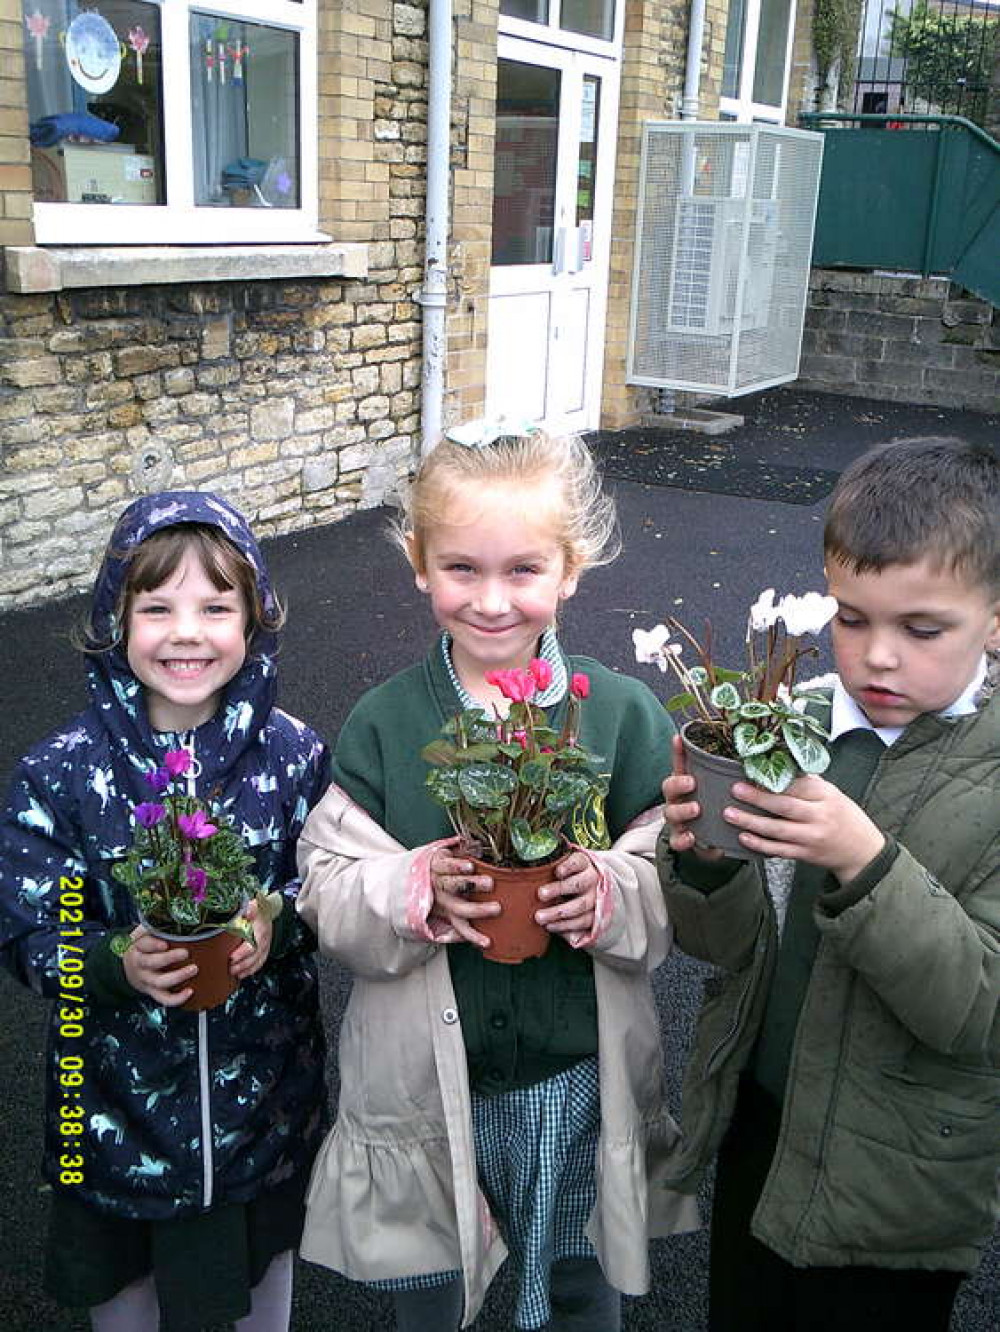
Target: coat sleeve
x,y
46,895
631,930
312,768
364,895
723,926
933,959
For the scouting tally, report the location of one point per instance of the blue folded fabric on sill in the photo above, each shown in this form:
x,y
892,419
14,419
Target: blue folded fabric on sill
x,y
242,173
71,124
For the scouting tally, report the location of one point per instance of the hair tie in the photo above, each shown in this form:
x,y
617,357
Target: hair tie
x,y
483,432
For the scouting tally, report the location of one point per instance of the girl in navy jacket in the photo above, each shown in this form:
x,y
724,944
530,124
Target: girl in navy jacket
x,y
178,1201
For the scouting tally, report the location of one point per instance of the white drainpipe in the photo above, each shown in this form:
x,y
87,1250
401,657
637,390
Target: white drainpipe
x,y
434,292
692,70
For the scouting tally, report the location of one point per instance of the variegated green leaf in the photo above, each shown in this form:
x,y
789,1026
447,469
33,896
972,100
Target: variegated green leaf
x,y
806,750
725,697
774,770
748,740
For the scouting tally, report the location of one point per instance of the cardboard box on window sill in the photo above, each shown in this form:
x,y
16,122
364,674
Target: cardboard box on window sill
x,y
93,173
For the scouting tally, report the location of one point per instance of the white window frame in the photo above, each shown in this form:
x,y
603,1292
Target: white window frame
x,y
552,35
180,220
742,107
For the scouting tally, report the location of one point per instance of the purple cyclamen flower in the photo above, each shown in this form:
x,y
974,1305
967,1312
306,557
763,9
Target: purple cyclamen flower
x,y
177,761
159,779
196,881
196,825
148,814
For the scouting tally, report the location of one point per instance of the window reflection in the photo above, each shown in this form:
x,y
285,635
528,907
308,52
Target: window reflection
x,y
527,136
772,45
244,114
94,102
592,18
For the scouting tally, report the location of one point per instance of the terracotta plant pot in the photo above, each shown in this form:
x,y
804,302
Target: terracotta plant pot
x,y
515,933
715,776
210,950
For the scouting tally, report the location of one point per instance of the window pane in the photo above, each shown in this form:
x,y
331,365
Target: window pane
x,y
524,184
772,45
94,102
244,104
586,161
533,11
732,56
594,18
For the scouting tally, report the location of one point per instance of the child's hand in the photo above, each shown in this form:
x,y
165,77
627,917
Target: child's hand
x,y
155,967
244,961
577,881
813,821
455,885
678,789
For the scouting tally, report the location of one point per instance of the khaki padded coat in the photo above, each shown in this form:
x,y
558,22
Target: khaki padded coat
x,y
889,1148
394,1190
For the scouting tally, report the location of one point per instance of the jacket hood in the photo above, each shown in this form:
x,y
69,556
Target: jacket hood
x,y
116,693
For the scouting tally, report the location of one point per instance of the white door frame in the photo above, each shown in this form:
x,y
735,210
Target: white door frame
x,y
572,282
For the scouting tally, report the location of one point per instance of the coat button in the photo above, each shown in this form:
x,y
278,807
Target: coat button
x,y
946,1130
449,1015
498,1021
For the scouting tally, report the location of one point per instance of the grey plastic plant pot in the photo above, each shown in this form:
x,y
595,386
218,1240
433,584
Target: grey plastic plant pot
x,y
715,776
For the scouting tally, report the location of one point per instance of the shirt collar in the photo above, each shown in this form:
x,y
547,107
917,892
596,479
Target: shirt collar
x,y
846,715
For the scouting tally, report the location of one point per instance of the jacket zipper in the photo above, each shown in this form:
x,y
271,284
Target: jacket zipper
x,y
204,1072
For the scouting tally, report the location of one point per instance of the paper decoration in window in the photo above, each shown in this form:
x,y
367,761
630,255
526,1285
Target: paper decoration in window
x,y
93,52
139,42
38,27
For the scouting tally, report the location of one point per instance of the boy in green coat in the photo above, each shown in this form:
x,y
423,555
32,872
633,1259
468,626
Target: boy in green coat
x,y
848,1064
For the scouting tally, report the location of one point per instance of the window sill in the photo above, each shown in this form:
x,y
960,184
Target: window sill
x,y
31,268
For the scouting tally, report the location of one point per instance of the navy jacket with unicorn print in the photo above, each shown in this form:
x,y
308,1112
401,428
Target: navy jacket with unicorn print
x,y
180,1110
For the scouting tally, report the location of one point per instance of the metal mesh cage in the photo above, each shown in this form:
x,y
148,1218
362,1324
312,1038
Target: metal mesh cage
x,y
723,242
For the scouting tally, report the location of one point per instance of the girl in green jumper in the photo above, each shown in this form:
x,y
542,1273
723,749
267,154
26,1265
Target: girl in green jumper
x,y
488,1109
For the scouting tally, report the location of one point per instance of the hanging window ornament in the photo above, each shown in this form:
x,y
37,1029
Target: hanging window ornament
x,y
139,42
93,52
238,54
38,26
209,60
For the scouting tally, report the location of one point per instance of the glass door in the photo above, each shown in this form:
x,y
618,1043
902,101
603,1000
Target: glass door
x,y
553,167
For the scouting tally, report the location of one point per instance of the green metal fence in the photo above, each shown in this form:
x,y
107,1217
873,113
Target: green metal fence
x,y
913,193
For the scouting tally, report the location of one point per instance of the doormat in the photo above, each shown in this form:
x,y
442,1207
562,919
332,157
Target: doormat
x,y
706,464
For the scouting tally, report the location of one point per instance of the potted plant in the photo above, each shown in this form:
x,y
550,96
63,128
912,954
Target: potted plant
x,y
756,722
191,879
511,786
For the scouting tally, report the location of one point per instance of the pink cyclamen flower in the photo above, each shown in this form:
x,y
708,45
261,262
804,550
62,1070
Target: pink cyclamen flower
x,y
149,814
518,686
177,761
196,825
159,779
522,738
541,672
580,685
197,881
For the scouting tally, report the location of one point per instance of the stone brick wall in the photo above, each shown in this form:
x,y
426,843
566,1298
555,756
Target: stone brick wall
x,y
902,339
296,400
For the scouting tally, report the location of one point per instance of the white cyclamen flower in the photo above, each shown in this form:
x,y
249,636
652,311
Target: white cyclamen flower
x,y
763,612
649,645
806,614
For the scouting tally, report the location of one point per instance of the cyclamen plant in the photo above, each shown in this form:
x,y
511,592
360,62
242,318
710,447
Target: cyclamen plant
x,y
512,784
758,715
187,869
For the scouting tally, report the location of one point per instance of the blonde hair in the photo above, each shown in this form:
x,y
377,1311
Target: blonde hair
x,y
589,533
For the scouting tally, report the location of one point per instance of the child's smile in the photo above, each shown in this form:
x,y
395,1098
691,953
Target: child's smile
x,y
186,641
495,578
